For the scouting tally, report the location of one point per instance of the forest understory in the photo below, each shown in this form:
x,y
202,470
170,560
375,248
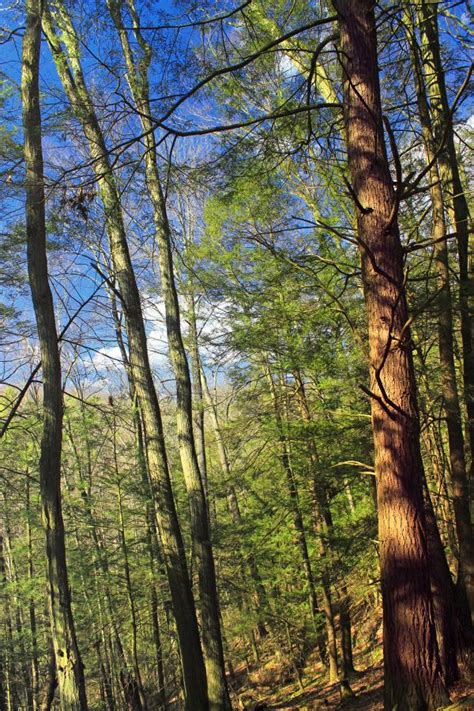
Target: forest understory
x,y
273,683
236,355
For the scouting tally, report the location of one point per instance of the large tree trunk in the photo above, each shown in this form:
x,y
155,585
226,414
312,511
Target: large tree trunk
x,y
137,76
458,212
413,674
69,669
67,59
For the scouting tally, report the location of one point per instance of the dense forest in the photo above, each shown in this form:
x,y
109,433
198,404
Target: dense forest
x,y
237,355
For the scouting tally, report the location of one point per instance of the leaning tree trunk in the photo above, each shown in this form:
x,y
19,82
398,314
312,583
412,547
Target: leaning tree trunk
x,y
413,675
137,77
69,668
67,60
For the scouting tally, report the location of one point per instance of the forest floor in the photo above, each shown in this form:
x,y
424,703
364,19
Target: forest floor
x,y
270,686
318,694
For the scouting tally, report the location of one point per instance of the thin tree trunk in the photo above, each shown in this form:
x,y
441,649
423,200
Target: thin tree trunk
x,y
294,499
25,689
151,536
322,522
154,556
126,569
70,674
3,696
70,72
7,661
444,598
458,210
445,612
137,76
347,662
413,674
50,685
233,505
130,599
31,604
198,396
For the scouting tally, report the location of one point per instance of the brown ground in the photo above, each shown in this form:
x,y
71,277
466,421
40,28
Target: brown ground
x,y
258,692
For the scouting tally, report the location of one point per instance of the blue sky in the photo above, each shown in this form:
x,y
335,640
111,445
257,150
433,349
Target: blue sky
x,y
81,279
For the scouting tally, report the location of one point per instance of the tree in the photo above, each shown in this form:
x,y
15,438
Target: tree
x,y
137,76
70,72
69,669
413,676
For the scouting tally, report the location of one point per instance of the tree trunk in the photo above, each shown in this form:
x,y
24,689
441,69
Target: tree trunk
x,y
458,211
294,500
131,605
234,508
9,671
70,72
50,685
31,604
347,664
442,588
322,522
198,395
69,669
137,76
127,574
445,612
413,674
25,689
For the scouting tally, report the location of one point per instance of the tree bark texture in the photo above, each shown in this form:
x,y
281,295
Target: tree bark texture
x,y
413,674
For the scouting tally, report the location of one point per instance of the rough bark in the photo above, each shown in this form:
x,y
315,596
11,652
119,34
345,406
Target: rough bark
x,y
69,669
67,60
413,674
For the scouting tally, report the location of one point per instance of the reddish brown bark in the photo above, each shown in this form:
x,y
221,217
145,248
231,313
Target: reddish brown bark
x,y
413,676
